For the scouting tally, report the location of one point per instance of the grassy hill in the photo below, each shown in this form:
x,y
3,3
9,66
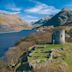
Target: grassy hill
x,y
40,55
39,52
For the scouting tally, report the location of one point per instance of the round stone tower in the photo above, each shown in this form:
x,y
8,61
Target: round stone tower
x,y
59,37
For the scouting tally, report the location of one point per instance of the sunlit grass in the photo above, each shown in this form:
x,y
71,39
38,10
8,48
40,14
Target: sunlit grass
x,y
39,53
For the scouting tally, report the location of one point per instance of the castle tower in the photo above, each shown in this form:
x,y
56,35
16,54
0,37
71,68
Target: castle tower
x,y
58,37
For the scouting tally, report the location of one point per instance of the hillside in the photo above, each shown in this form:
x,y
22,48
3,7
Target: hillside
x,y
41,21
9,22
64,17
35,54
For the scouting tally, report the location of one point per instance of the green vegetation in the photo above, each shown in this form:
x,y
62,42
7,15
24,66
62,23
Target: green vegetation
x,y
40,54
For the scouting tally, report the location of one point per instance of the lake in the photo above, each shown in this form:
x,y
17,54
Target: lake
x,y
9,39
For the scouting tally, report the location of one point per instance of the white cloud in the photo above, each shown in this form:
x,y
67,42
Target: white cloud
x,y
16,9
42,8
13,7
30,18
8,12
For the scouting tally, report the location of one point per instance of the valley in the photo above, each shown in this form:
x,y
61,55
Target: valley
x,y
46,47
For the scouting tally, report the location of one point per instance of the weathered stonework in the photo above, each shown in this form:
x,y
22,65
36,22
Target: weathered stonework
x,y
59,37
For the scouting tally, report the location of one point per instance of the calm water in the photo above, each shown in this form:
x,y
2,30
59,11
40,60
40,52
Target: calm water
x,y
9,39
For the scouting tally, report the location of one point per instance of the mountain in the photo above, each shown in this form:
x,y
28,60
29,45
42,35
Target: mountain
x,y
41,21
9,22
64,17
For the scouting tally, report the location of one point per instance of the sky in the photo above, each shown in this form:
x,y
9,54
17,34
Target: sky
x,y
33,10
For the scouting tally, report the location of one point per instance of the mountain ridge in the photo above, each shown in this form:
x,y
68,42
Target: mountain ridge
x,y
9,23
63,18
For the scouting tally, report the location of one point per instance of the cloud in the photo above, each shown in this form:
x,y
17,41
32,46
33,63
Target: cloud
x,y
30,18
13,7
8,12
10,7
42,8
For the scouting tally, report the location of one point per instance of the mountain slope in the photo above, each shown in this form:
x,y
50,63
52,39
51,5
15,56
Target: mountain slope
x,y
41,21
64,17
10,22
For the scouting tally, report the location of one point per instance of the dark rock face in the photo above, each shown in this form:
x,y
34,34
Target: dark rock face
x,y
24,68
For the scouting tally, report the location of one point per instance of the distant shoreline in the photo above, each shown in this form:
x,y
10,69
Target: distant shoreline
x,y
14,31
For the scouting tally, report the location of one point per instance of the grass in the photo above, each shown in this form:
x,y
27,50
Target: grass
x,y
39,53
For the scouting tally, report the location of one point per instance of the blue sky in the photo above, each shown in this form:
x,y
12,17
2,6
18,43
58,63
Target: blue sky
x,y
32,10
